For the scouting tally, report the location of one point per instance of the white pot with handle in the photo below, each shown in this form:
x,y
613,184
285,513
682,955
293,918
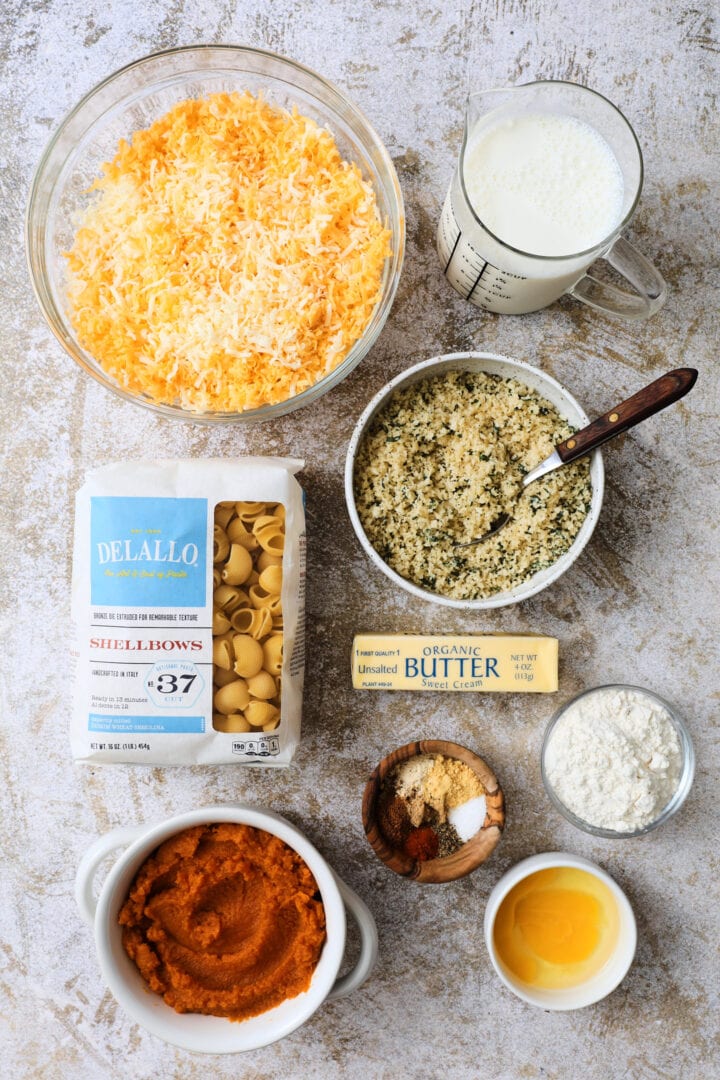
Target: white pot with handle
x,y
194,1031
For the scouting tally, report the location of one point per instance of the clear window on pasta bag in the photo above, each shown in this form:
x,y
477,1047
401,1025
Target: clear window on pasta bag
x,y
248,547
189,606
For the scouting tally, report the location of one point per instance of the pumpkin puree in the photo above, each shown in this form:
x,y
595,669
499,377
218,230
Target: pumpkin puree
x,y
224,920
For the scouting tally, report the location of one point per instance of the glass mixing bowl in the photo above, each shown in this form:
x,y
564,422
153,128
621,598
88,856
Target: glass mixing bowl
x,y
684,783
132,99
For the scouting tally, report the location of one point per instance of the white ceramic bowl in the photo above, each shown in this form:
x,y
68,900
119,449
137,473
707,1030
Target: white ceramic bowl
x,y
609,976
537,380
193,1031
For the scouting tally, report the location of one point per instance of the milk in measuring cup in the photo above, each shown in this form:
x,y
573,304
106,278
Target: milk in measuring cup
x,y
546,184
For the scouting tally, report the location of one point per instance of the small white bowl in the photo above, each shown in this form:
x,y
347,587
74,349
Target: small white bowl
x,y
537,380
610,975
193,1031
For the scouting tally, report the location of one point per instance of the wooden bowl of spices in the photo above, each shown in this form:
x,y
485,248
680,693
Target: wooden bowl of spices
x,y
433,811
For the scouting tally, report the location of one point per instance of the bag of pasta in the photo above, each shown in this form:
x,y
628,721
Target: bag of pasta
x,y
188,602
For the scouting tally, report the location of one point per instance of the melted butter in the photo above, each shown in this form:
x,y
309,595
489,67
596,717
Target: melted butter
x,y
557,928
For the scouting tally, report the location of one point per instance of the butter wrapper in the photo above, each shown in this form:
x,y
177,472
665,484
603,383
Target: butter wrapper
x,y
489,663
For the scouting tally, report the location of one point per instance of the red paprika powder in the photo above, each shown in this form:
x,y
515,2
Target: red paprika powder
x,y
422,844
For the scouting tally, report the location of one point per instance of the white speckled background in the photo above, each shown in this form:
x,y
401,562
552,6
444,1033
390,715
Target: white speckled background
x,y
641,605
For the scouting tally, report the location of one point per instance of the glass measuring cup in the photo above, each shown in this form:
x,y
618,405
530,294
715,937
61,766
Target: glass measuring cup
x,y
496,276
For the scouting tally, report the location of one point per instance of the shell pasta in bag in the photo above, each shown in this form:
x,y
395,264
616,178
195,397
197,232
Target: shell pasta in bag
x,y
188,603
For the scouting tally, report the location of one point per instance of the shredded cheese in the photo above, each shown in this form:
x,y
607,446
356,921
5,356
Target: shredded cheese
x,y
230,259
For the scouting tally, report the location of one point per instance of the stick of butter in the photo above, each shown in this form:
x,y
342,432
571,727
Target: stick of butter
x,y
505,663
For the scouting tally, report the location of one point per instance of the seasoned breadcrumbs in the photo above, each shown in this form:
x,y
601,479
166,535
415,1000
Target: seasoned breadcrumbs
x,y
439,465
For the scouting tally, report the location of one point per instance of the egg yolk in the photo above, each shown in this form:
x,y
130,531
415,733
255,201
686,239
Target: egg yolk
x,y
556,928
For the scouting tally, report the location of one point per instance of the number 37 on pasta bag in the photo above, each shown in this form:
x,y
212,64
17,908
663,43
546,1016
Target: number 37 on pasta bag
x,y
174,683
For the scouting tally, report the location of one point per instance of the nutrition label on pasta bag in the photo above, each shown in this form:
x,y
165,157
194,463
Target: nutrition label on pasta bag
x,y
263,747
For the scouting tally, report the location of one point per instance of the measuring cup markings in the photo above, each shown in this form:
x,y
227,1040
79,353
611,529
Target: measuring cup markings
x,y
477,263
469,271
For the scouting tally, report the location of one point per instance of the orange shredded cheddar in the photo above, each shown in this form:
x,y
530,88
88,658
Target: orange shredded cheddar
x,y
230,259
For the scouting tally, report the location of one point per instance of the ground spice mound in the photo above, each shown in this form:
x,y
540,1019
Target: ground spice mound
x,y
450,783
230,260
224,920
416,800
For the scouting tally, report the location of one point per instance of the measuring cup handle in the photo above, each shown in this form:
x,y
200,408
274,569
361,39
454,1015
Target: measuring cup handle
x,y
650,288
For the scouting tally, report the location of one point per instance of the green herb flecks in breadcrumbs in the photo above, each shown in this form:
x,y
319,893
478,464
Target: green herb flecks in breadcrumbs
x,y
443,460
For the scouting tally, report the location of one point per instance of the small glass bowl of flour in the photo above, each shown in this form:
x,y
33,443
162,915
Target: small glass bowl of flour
x,y
617,761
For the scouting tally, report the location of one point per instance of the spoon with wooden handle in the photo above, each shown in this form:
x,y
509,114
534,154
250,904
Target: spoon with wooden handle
x,y
648,401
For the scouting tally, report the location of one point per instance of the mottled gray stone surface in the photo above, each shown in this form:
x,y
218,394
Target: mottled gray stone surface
x,y
640,605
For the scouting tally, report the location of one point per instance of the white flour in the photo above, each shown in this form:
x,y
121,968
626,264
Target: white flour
x,y
614,759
